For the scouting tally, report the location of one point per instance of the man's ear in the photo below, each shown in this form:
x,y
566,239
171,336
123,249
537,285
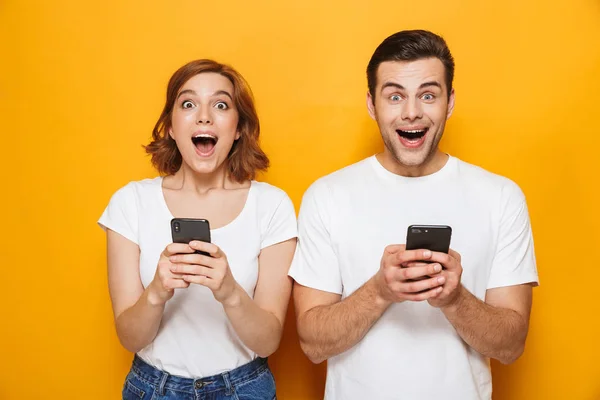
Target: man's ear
x,y
371,105
450,104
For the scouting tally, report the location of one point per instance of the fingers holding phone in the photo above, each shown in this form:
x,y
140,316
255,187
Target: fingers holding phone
x,y
211,270
208,265
183,231
163,286
396,283
436,238
453,274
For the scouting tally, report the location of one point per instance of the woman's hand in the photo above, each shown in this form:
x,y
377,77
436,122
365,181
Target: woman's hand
x,y
163,286
210,271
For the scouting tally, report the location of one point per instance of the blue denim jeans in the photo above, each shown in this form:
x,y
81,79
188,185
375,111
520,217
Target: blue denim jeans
x,y
252,381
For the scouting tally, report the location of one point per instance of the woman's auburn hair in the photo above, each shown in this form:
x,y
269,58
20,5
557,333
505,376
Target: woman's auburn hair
x,y
245,158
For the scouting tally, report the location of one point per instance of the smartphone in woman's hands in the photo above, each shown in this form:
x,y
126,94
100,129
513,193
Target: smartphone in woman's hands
x,y
185,230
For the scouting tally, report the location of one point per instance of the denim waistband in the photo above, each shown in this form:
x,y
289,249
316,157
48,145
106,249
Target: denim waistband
x,y
163,380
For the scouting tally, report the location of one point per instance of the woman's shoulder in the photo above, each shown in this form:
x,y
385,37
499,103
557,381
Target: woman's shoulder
x,y
267,192
142,184
276,212
136,189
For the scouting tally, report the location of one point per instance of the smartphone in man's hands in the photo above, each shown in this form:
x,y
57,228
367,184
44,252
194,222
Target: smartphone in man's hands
x,y
429,237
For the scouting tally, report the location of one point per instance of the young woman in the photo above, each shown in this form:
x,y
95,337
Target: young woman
x,y
201,326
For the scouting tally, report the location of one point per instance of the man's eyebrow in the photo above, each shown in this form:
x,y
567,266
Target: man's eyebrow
x,y
430,83
400,87
392,85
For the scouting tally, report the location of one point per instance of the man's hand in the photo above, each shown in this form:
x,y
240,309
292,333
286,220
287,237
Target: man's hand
x,y
396,282
452,273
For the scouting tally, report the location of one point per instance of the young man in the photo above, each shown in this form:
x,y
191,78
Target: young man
x,y
412,324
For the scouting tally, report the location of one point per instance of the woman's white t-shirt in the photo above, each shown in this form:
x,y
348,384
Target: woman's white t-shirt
x,y
195,338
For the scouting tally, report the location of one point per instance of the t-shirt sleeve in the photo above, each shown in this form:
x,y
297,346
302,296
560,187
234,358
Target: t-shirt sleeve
x,y
121,214
315,263
281,224
514,262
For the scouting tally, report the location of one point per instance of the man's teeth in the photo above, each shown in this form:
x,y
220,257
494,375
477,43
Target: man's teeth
x,y
412,135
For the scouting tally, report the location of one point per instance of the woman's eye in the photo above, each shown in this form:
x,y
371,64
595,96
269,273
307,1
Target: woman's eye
x,y
221,105
187,104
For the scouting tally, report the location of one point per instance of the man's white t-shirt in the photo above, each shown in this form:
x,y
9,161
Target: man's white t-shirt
x,y
412,352
195,338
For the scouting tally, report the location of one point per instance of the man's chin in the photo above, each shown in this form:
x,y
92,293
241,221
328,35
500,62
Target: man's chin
x,y
411,158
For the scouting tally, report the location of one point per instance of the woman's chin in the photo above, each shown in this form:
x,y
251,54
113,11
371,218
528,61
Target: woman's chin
x,y
204,167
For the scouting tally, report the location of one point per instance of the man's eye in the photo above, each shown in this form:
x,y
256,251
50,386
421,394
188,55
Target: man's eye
x,y
187,104
395,97
221,105
428,96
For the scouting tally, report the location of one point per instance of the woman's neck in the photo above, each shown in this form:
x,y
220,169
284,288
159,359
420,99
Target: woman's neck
x,y
187,179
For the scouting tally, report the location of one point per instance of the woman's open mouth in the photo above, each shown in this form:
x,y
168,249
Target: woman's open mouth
x,y
205,144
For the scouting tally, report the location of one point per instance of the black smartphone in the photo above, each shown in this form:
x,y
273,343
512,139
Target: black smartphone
x,y
184,230
429,237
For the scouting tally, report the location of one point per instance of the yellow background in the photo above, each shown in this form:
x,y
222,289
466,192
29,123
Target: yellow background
x,y
82,84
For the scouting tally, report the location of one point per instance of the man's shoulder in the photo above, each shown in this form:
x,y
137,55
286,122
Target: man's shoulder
x,y
347,176
479,174
342,179
486,181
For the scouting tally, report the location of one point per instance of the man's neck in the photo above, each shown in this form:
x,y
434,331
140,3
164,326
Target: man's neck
x,y
431,165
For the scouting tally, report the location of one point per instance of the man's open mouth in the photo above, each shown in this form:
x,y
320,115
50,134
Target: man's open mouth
x,y
412,134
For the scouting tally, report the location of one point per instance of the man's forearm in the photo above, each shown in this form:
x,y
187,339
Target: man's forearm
x,y
326,331
492,331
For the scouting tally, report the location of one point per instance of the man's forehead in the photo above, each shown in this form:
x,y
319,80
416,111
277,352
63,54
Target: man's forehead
x,y
428,69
